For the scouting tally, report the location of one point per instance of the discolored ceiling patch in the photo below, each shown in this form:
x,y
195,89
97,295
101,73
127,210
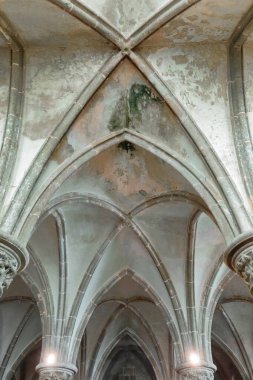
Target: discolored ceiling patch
x,y
125,175
125,16
206,21
41,23
126,102
54,80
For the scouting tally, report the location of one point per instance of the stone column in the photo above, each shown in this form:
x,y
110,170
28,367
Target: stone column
x,y
13,259
239,258
197,373
56,371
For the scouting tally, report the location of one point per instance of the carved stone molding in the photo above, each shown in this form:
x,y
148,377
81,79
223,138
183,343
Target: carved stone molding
x,y
239,258
13,259
56,375
56,372
244,267
8,270
198,373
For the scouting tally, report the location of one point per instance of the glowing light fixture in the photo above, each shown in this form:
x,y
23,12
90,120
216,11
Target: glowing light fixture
x,y
194,358
51,359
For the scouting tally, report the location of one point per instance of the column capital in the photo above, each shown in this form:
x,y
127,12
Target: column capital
x,y
239,258
57,371
197,373
13,258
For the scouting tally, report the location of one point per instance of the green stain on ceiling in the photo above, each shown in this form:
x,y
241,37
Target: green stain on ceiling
x,y
119,117
131,105
140,96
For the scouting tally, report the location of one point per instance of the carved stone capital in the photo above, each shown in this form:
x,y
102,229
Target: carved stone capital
x,y
239,258
244,266
13,259
197,373
56,372
56,375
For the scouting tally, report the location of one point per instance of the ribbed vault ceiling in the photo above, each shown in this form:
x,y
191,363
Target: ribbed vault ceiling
x,y
123,181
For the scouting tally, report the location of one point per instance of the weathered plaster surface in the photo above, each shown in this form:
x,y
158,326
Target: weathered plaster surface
x,y
124,15
208,20
27,151
61,29
125,178
54,79
126,101
197,75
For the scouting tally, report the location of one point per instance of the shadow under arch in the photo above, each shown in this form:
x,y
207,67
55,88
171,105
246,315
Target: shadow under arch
x,y
36,291
77,332
221,351
139,342
43,292
230,219
203,319
9,361
115,316
116,357
34,345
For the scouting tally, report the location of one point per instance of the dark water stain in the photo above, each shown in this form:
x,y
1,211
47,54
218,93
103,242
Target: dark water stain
x,y
140,96
120,114
131,105
128,147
